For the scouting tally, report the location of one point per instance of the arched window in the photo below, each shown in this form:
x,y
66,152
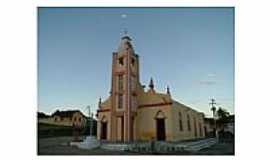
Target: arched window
x,y
121,61
188,123
160,115
180,122
120,101
132,61
103,119
195,127
200,127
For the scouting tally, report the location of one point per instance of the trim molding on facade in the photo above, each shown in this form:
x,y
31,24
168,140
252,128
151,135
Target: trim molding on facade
x,y
154,105
103,110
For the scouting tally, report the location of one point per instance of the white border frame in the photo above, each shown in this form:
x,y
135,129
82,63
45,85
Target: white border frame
x,y
18,74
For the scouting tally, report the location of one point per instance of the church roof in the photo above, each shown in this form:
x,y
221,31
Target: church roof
x,y
68,113
153,98
185,106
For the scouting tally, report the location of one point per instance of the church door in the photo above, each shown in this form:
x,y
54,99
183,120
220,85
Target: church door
x,y
122,128
160,123
103,130
132,129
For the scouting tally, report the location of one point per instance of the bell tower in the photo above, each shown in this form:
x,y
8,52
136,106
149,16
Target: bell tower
x,y
125,81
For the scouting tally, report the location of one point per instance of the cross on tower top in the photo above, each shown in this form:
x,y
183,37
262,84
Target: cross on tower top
x,y
151,84
125,32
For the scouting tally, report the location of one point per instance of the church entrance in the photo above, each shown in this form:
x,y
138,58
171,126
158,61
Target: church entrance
x,y
132,129
161,134
122,128
103,133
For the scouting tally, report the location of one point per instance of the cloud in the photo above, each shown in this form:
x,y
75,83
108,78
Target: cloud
x,y
207,82
123,16
211,75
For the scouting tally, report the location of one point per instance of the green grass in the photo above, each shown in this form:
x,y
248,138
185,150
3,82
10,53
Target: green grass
x,y
49,130
44,126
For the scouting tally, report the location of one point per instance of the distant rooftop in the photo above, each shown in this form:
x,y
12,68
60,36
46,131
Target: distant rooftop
x,y
68,113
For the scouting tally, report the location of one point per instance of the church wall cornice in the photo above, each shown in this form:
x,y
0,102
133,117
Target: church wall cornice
x,y
155,105
103,110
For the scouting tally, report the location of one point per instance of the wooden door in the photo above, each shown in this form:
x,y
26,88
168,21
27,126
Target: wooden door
x,y
103,130
161,133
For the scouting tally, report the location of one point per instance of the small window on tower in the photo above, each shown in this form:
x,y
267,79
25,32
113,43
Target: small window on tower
x,y
120,101
121,61
132,61
120,82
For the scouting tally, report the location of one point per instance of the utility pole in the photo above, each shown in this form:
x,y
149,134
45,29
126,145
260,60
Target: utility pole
x,y
213,109
90,124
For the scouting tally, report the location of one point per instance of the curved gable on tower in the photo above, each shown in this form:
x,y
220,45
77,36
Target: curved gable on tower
x,y
106,104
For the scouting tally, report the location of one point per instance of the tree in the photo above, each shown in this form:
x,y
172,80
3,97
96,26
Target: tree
x,y
223,115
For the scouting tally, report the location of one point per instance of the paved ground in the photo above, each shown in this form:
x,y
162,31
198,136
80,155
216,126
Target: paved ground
x,y
218,149
59,146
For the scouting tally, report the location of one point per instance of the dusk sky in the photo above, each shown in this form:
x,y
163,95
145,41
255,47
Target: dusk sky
x,y
189,49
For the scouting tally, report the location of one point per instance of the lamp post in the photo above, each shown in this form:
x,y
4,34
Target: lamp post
x,y
90,124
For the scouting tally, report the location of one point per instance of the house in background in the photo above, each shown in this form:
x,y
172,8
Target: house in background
x,y
229,127
209,127
64,118
42,115
222,126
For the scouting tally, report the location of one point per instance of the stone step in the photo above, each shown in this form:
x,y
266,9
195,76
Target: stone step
x,y
160,147
201,145
120,147
88,143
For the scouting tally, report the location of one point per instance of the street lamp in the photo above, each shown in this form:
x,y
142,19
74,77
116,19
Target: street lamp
x,y
90,124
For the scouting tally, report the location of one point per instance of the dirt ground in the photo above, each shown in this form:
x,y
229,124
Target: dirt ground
x,y
59,146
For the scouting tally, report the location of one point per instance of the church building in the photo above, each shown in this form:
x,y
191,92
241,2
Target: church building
x,y
134,113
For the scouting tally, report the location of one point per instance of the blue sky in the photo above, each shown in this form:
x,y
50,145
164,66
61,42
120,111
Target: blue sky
x,y
189,49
